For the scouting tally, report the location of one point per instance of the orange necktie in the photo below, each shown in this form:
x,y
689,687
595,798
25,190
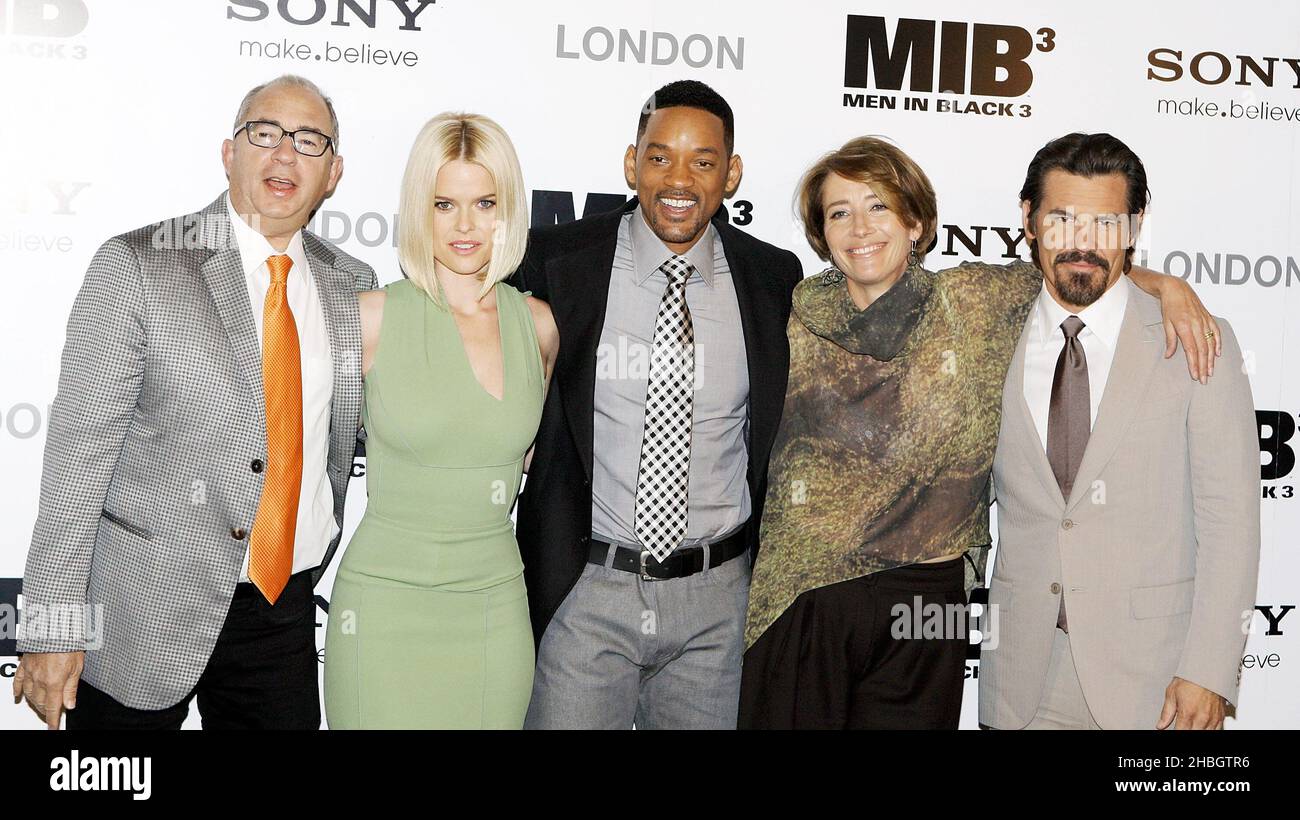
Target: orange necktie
x,y
271,545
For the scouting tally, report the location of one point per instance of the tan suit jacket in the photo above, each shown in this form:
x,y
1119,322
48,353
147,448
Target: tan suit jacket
x,y
1156,551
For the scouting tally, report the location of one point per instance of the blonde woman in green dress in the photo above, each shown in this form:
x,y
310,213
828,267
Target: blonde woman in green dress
x,y
428,621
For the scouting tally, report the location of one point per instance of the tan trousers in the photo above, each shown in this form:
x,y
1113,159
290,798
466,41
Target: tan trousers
x,y
1063,705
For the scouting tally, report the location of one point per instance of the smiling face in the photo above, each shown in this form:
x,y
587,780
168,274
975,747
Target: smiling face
x,y
276,189
681,171
464,217
1082,231
867,241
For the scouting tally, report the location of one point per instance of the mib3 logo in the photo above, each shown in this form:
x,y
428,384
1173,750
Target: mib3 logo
x,y
43,18
372,229
557,207
980,619
46,21
344,12
1277,456
946,57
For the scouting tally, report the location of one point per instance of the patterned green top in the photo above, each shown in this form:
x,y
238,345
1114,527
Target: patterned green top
x,y
890,423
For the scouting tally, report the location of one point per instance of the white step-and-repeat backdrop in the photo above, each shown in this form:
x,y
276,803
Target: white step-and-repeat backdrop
x,y
114,113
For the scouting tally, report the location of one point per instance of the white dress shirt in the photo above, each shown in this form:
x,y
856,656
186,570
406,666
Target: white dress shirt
x,y
1101,323
316,526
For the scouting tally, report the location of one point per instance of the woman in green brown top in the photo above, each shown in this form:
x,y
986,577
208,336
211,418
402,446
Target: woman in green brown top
x,y
878,483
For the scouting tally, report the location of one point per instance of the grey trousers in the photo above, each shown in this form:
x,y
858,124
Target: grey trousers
x,y
622,651
1063,705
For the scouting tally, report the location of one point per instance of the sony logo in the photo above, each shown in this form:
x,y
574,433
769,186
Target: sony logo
x,y
310,12
1214,68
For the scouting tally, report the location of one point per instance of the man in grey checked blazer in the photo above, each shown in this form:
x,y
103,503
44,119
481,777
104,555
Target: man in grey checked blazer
x,y
154,462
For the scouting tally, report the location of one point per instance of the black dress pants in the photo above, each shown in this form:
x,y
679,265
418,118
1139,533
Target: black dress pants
x,y
840,657
262,673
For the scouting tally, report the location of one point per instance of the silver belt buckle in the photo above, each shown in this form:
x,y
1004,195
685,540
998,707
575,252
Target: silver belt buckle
x,y
644,576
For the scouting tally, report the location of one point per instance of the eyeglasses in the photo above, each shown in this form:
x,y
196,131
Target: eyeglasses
x,y
268,135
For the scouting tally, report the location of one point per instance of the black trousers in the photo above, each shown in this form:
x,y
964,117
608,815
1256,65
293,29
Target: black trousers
x,y
262,673
840,657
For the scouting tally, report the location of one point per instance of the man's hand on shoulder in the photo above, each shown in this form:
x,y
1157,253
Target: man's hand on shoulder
x,y
1186,320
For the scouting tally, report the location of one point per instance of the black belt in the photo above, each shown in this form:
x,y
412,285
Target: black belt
x,y
680,563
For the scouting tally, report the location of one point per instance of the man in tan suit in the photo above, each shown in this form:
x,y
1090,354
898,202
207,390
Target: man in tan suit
x,y
1128,496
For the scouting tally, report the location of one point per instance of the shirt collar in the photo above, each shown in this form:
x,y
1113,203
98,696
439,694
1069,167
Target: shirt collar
x,y
649,251
1103,317
254,248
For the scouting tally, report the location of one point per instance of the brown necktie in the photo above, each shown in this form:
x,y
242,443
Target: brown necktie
x,y
1069,418
270,559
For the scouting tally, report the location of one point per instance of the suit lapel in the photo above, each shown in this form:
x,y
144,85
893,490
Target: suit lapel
x,y
1136,351
760,357
338,300
584,278
224,273
1025,430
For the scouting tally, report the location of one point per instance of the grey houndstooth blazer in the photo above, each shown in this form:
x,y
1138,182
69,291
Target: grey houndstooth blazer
x,y
147,493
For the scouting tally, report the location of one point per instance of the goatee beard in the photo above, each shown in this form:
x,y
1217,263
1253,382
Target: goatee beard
x,y
1081,289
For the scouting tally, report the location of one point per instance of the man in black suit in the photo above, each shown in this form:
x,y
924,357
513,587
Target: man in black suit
x,y
638,523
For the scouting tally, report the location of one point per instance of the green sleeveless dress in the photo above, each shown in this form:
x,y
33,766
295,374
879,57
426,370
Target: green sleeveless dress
x,y
428,620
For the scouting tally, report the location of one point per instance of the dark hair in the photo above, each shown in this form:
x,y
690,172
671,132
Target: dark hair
x,y
691,94
1087,155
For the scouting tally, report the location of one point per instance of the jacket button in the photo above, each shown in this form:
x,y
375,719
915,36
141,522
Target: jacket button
x,y
1056,588
238,533
256,466
1067,524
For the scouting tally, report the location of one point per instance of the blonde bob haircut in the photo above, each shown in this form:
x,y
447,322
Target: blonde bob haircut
x,y
893,176
472,138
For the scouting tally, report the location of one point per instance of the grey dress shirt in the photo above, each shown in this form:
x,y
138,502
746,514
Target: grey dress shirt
x,y
718,493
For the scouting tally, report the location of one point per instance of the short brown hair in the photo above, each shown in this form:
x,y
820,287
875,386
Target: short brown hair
x,y
893,175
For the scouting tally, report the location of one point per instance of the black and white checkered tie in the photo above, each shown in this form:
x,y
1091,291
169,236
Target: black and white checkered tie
x,y
661,485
